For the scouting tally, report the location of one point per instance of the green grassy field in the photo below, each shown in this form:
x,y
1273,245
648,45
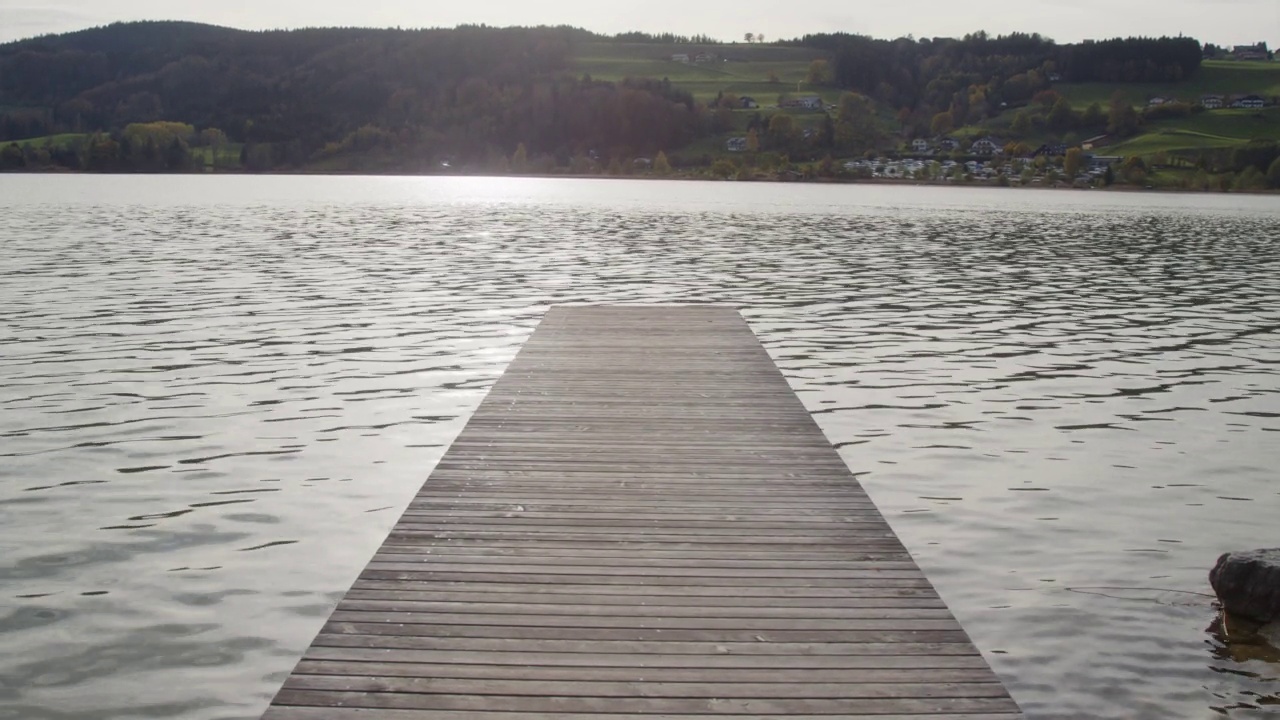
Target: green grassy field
x,y
1208,130
228,155
738,69
1216,77
58,141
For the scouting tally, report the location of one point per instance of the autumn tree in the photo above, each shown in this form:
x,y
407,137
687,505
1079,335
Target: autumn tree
x,y
520,159
781,129
942,123
819,73
856,129
1073,162
661,165
1133,170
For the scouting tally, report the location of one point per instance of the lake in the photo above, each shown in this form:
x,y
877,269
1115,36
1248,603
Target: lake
x,y
219,393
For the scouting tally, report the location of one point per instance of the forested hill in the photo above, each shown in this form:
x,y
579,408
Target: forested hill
x,y
464,91
146,96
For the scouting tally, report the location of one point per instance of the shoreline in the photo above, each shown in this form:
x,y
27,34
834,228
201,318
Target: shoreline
x,y
675,176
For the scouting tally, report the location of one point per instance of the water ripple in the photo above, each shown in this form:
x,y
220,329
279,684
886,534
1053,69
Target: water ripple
x,y
216,391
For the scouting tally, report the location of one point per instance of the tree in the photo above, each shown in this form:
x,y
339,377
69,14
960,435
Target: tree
x,y
11,157
781,129
1021,126
520,159
1133,170
722,169
749,37
856,127
1072,163
1060,117
1047,98
661,165
215,140
1251,179
177,156
942,123
1122,120
1273,174
1093,117
819,73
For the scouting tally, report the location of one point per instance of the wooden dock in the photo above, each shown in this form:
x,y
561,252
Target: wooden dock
x,y
642,520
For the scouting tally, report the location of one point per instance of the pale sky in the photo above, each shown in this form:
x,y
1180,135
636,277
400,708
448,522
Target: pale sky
x,y
1225,22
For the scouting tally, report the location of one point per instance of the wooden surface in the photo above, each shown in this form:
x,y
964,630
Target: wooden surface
x,y
641,519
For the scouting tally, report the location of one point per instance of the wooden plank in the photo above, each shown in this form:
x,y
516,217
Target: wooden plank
x,y
637,704
641,519
295,712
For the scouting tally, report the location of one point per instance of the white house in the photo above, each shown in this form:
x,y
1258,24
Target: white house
x,y
808,102
1157,101
748,102
736,144
1212,102
1252,102
680,57
985,146
920,145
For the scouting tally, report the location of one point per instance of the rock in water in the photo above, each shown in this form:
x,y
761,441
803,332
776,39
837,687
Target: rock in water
x,y
1248,584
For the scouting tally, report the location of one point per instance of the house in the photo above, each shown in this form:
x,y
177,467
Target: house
x,y
1094,142
1248,52
1102,162
920,145
986,146
1251,102
1048,150
1055,77
947,144
736,144
807,102
748,103
642,162
704,57
680,57
1212,102
1158,101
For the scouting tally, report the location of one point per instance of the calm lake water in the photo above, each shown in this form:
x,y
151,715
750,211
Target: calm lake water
x,y
218,393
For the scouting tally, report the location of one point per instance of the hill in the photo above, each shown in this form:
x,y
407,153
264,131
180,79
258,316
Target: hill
x,y
183,96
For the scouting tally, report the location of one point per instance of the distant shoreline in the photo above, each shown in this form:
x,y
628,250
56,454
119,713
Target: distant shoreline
x,y
1118,187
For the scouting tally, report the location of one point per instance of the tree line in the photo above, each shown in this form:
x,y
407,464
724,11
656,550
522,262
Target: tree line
x,y
977,77
347,98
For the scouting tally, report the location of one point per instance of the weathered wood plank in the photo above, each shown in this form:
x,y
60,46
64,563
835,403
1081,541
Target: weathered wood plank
x,y
641,520
337,713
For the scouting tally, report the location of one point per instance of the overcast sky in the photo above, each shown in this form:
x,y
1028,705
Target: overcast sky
x,y
1218,21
